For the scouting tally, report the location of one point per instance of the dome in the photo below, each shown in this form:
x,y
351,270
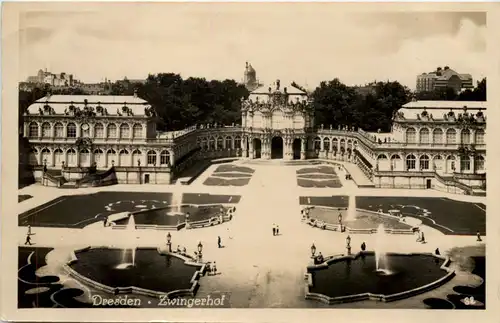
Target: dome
x,y
249,69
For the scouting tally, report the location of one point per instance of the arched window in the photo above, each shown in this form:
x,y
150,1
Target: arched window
x,y
84,158
99,130
335,144
382,157
465,136
124,131
424,136
58,157
219,143
46,156
211,143
438,163
317,143
33,130
99,157
111,156
137,131
123,158
437,136
151,158
326,144
71,155
59,130
204,143
480,164
424,162
450,164
237,142
136,157
451,136
46,130
411,162
33,157
411,136
395,157
464,163
71,131
111,130
229,142
479,140
165,158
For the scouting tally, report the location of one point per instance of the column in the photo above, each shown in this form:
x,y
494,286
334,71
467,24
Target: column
x,y
473,164
25,130
303,148
250,148
244,152
172,157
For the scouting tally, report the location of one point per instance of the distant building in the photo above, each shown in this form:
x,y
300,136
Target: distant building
x,y
45,77
443,78
250,78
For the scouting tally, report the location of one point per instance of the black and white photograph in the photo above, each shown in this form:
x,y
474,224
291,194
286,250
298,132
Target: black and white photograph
x,y
313,156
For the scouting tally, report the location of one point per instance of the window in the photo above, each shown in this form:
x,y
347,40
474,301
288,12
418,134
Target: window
x,y
136,157
71,154
111,157
164,158
84,157
33,157
211,143
123,158
411,162
424,136
219,143
464,163
480,163
151,158
411,136
424,162
58,157
437,136
480,137
335,144
71,131
237,142
204,144
124,131
438,162
33,130
112,130
46,130
137,131
451,136
99,130
326,144
229,141
59,130
98,157
465,136
317,143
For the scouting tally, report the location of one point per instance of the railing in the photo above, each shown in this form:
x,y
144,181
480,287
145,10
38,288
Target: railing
x,y
99,177
454,183
56,180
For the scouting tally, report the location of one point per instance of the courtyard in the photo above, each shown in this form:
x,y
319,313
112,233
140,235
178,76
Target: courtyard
x,y
256,268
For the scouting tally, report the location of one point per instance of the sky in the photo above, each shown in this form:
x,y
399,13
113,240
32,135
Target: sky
x,y
306,43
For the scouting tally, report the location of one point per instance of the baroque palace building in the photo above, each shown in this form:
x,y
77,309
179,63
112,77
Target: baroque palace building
x,y
433,144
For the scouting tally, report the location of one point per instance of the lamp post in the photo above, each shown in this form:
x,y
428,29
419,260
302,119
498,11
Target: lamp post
x,y
200,250
340,221
348,244
313,250
169,242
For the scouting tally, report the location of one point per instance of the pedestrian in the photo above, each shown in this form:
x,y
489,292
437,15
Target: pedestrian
x,y
178,249
28,240
105,222
437,252
277,230
274,229
214,268
184,251
478,236
219,241
363,246
422,238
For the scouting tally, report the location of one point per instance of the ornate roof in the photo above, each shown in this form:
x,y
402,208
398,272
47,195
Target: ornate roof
x,y
111,105
442,111
277,95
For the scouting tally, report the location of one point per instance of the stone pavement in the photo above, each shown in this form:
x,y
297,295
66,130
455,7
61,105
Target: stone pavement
x,y
257,268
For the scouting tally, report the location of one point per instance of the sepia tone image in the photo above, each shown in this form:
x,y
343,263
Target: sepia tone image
x,y
251,156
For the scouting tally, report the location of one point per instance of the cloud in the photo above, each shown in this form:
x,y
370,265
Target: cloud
x,y
288,42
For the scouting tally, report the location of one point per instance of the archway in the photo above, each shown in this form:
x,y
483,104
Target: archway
x,y
257,148
277,148
296,148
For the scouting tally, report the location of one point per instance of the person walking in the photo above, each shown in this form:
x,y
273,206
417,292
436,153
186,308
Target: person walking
x,y
28,240
214,269
274,229
422,240
277,230
105,222
363,246
219,242
478,236
437,252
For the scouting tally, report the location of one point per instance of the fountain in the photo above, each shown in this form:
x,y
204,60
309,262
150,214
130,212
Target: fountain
x,y
351,208
381,265
129,247
176,202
